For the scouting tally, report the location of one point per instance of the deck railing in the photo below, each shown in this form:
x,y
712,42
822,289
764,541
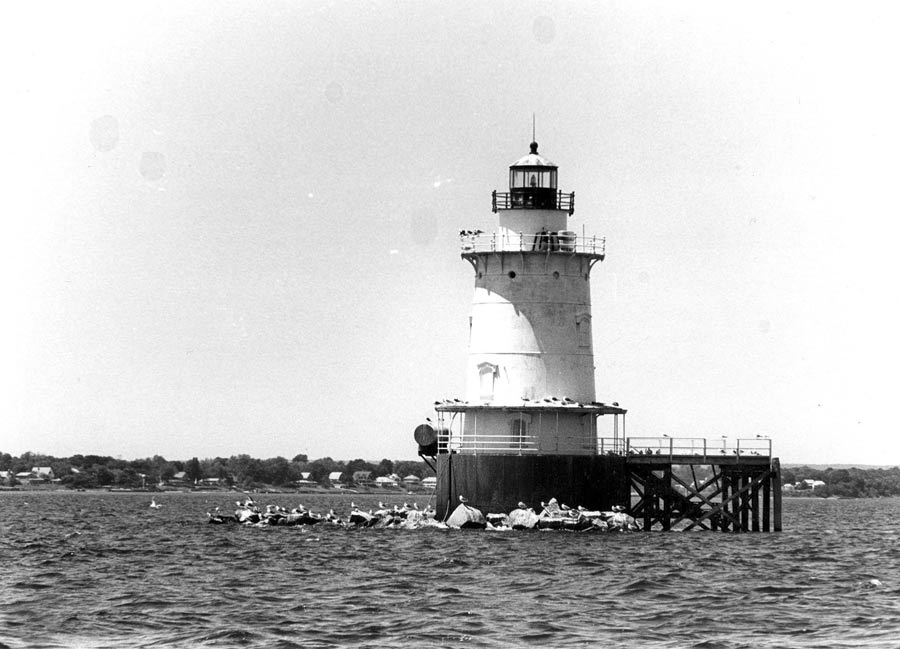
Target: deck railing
x,y
489,444
712,450
565,241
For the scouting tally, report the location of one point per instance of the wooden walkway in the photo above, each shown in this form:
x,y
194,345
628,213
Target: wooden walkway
x,y
727,493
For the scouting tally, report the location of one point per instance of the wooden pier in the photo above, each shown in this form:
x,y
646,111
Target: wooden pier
x,y
664,483
684,492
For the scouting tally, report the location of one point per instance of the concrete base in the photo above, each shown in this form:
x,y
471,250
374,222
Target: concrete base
x,y
496,483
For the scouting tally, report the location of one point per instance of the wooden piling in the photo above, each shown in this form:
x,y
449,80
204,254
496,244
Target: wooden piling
x,y
776,494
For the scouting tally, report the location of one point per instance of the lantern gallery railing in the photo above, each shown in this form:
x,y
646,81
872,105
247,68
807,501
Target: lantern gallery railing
x,y
563,241
534,199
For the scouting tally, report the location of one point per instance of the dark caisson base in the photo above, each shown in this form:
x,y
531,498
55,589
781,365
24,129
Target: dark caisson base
x,y
497,483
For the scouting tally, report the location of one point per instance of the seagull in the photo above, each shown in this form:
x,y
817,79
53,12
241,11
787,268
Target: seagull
x,y
154,504
664,435
522,505
615,403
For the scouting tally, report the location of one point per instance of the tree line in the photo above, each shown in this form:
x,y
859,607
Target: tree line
x,y
240,471
845,483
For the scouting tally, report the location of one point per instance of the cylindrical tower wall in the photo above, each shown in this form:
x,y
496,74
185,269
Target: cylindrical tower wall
x,y
530,329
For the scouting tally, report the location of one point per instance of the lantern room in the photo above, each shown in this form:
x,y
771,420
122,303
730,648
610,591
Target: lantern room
x,y
532,186
532,181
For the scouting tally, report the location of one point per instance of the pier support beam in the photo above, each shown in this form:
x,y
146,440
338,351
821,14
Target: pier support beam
x,y
725,496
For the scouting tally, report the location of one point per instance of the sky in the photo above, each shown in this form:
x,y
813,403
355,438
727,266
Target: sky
x,y
231,227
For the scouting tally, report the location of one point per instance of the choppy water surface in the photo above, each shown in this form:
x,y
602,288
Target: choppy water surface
x,y
105,570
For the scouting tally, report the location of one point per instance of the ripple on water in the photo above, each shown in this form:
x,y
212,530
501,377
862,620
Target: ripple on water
x,y
132,578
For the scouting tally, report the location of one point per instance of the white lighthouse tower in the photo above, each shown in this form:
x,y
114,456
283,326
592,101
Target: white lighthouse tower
x,y
526,428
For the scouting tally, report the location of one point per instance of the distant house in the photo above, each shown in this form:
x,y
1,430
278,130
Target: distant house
x,y
335,477
305,479
6,476
362,478
385,482
429,482
412,480
43,472
178,479
814,484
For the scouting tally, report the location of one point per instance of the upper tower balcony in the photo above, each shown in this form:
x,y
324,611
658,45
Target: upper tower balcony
x,y
532,186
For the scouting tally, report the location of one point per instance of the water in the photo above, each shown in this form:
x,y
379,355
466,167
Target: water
x,y
106,570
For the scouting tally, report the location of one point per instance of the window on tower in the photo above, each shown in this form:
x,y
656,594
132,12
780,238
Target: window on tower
x,y
518,433
583,329
487,373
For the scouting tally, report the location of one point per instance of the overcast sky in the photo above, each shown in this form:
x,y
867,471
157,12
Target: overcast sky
x,y
230,227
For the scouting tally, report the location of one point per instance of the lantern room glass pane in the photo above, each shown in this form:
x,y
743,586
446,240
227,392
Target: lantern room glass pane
x,y
528,178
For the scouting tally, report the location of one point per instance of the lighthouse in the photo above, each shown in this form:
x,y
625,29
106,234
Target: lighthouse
x,y
529,427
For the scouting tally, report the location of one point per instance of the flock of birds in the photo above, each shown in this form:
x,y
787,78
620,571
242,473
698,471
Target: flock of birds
x,y
552,401
552,516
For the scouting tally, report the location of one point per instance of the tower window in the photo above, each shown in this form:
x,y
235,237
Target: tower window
x,y
518,433
583,329
487,373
